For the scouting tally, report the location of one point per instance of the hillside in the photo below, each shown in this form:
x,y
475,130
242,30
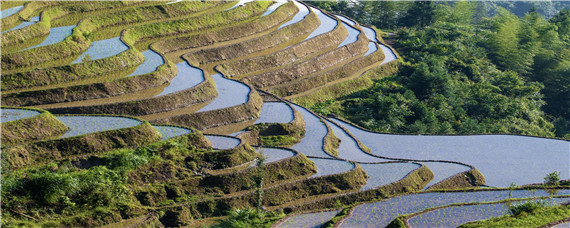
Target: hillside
x,y
196,113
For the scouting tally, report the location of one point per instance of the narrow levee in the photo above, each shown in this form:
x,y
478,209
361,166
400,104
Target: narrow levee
x,y
220,142
327,24
24,24
457,215
230,93
315,131
102,49
56,35
303,11
9,114
187,77
152,60
502,159
309,219
11,11
81,125
380,214
273,7
443,170
386,173
169,132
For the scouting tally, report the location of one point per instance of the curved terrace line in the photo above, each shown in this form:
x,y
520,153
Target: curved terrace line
x,y
24,24
502,159
152,61
327,23
169,132
11,11
273,7
315,131
12,114
380,214
275,112
187,77
56,35
303,12
230,93
220,142
81,125
102,49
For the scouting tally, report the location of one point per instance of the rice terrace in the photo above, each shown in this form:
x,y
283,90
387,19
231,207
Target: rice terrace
x,y
285,114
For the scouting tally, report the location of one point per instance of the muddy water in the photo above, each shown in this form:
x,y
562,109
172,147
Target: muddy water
x,y
8,114
80,125
187,77
230,93
275,112
327,24
103,49
152,60
502,159
56,35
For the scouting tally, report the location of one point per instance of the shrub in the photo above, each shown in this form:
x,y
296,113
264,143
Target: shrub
x,y
527,207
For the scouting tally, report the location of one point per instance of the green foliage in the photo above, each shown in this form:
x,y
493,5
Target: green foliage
x,y
526,207
552,178
245,218
537,218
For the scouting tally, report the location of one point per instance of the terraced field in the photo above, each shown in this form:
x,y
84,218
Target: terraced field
x,y
142,113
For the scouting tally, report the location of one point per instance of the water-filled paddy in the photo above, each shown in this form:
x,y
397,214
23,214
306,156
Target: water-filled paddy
x,y
230,93
380,214
349,149
169,132
10,11
56,35
352,35
371,48
273,7
457,215
346,20
315,131
222,142
331,166
303,11
388,54
80,125
370,33
275,154
502,159
442,170
240,3
327,24
103,49
311,220
152,60
8,114
275,112
383,174
24,24
187,77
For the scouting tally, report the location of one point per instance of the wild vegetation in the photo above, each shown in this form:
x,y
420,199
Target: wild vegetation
x,y
464,73
195,147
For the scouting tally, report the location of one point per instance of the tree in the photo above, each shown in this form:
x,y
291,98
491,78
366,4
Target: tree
x,y
552,178
420,14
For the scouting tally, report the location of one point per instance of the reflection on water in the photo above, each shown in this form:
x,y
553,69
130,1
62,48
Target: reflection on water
x,y
102,49
8,114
